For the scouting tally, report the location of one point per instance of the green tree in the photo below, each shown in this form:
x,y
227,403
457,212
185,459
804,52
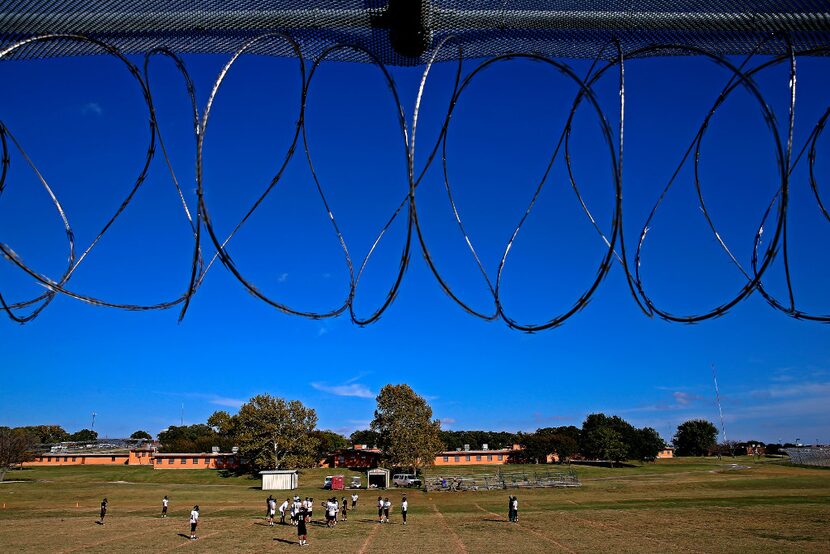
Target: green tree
x,y
189,438
695,437
562,441
273,434
141,435
328,442
647,444
45,434
607,444
565,445
365,436
221,422
224,427
15,448
407,434
84,435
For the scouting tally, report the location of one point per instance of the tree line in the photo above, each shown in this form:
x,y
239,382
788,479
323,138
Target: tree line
x,y
273,433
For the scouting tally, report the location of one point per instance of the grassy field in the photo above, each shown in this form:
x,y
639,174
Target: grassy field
x,y
682,505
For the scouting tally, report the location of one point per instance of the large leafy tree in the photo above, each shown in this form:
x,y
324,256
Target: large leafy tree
x,y
695,437
84,435
407,434
328,442
45,434
608,444
272,433
141,435
364,436
562,441
191,438
15,446
647,444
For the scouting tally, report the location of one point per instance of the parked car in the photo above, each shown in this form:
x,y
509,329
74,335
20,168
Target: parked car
x,y
327,482
406,480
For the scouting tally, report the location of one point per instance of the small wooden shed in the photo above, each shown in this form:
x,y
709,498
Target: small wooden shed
x,y
279,479
377,478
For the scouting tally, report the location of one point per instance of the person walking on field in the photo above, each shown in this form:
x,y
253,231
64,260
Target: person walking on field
x,y
404,508
164,503
510,509
515,510
272,510
194,521
331,512
104,504
387,505
344,509
380,509
310,507
354,500
302,531
283,508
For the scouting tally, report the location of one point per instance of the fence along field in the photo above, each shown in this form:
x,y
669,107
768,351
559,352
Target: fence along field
x,y
681,505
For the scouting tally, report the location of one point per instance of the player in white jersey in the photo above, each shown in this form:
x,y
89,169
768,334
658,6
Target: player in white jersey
x,y
194,521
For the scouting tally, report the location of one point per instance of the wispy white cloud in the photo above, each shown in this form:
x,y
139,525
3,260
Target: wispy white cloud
x,y
349,389
801,390
228,402
447,421
210,398
92,108
322,331
685,398
282,278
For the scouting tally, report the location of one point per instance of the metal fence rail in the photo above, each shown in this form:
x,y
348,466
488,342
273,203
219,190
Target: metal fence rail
x,y
810,456
501,480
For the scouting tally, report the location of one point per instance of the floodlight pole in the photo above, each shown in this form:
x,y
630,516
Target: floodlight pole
x,y
720,410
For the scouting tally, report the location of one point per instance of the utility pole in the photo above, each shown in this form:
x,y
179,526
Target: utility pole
x,y
181,416
717,399
93,421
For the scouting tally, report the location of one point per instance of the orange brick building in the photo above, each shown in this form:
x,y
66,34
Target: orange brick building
x,y
79,459
203,460
477,457
140,457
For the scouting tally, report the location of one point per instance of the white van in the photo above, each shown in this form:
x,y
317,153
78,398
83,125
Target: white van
x,y
405,480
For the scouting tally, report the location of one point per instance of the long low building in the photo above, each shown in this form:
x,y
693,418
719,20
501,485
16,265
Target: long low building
x,y
140,457
484,456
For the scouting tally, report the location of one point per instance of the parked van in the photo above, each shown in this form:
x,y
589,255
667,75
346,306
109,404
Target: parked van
x,y
406,480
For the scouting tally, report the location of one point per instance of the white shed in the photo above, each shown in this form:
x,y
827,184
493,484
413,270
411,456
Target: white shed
x,y
377,478
279,479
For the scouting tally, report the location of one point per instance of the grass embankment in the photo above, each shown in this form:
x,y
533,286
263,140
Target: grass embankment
x,y
699,505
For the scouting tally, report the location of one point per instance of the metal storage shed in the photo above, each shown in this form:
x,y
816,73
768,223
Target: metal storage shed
x,y
377,478
279,479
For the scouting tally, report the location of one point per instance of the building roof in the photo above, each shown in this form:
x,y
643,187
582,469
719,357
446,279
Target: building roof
x,y
466,452
180,454
277,471
86,454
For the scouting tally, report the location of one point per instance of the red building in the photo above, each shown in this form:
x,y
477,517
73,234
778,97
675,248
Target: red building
x,y
357,457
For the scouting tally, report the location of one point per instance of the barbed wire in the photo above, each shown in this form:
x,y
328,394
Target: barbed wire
x,y
741,77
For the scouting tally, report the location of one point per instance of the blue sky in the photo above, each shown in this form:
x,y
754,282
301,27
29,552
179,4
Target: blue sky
x,y
84,125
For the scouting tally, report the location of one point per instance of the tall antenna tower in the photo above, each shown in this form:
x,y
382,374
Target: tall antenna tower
x,y
93,421
181,416
717,399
